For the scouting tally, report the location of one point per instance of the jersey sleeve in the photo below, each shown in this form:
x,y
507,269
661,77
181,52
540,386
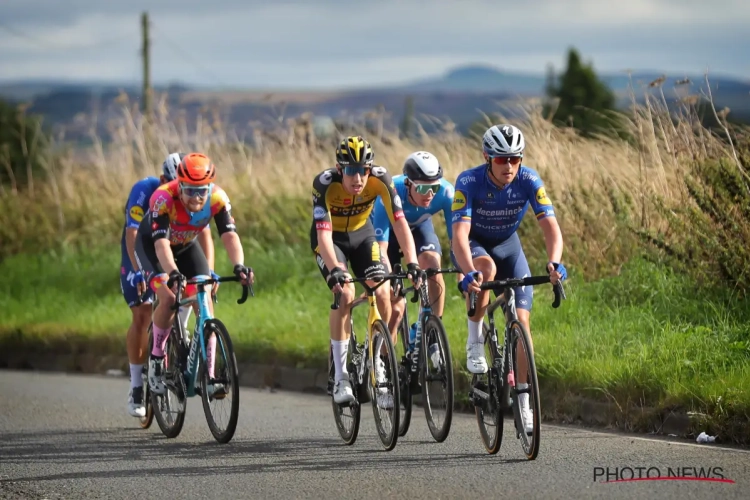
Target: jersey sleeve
x,y
461,205
387,191
134,211
160,205
540,202
222,210
380,221
321,214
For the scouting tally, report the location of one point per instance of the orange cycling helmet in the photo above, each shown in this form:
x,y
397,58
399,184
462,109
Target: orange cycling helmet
x,y
196,169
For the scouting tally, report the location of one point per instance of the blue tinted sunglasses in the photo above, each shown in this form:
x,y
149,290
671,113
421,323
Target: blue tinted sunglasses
x,y
191,191
356,169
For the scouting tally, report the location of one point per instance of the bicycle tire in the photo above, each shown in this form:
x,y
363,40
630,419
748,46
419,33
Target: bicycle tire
x,y
403,378
439,433
494,407
387,438
175,384
230,376
146,421
349,436
530,449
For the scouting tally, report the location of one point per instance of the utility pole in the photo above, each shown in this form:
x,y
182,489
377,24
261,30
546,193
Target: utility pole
x,y
146,95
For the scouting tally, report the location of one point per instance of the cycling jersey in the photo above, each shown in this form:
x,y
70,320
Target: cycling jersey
x,y
495,213
414,215
168,217
336,210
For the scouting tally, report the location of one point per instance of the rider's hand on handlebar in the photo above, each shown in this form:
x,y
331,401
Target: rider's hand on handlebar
x,y
557,272
336,279
415,274
245,274
174,277
471,282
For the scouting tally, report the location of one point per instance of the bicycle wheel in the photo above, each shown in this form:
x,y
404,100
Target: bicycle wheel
x,y
169,409
147,419
437,379
386,394
529,443
489,411
215,391
347,416
404,369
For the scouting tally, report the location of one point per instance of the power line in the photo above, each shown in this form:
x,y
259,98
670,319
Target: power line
x,y
45,44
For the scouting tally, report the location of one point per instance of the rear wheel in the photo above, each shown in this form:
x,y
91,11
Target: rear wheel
x,y
385,392
221,393
437,379
169,409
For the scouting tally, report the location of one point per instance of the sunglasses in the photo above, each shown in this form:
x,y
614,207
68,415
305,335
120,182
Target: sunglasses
x,y
192,191
356,169
502,160
425,189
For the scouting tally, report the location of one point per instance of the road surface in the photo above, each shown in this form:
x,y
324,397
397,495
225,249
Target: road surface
x,y
68,436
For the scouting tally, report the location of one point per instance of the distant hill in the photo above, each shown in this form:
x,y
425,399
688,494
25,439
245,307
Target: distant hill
x,y
458,95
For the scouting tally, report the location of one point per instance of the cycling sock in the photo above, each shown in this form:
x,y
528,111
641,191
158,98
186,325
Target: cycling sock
x,y
160,341
340,349
135,376
211,355
475,332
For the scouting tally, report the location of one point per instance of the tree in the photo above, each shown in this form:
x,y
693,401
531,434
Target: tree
x,y
584,102
22,144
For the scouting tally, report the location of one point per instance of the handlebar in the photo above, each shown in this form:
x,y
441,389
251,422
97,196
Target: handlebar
x,y
499,285
380,280
210,281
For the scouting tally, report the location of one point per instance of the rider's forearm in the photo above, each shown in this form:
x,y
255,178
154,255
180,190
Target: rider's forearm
x,y
232,244
405,240
460,246
552,238
165,255
206,242
326,250
130,235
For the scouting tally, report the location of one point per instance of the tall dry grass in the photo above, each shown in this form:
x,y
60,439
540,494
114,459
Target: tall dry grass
x,y
599,186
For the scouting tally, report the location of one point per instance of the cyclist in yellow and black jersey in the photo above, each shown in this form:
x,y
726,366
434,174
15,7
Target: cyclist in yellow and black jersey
x,y
342,232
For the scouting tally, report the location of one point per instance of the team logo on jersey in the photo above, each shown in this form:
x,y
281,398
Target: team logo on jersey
x,y
378,171
459,201
136,213
325,178
397,201
319,213
541,197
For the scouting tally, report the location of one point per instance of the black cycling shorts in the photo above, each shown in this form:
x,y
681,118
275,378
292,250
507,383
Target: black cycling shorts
x,y
358,248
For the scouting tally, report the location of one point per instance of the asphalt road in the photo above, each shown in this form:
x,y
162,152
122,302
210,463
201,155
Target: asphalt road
x,y
68,436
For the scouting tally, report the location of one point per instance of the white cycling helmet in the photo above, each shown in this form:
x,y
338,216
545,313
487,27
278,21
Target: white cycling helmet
x,y
503,140
169,167
422,166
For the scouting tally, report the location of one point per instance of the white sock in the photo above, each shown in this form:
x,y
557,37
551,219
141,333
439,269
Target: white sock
x,y
523,399
135,376
475,333
185,315
340,350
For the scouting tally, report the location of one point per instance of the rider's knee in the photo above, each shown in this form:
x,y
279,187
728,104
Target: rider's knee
x,y
486,267
347,294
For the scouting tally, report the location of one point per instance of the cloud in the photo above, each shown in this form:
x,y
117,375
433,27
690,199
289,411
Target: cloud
x,y
292,43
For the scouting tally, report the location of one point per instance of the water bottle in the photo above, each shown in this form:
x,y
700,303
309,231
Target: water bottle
x,y
412,336
434,353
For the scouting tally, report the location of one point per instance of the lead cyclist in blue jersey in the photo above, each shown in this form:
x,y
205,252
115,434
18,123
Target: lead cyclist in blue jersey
x,y
489,204
424,192
133,283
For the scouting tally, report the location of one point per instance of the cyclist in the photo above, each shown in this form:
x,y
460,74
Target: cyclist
x,y
489,204
424,192
133,284
166,249
341,232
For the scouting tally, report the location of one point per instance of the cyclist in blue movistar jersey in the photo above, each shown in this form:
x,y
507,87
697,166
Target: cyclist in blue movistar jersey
x,y
133,283
424,192
488,207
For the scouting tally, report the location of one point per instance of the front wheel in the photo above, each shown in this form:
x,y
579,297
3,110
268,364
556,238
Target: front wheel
x,y
220,391
385,390
529,438
436,376
169,409
347,416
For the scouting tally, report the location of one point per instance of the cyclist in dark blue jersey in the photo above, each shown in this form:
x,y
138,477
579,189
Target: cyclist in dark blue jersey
x,y
424,192
489,204
133,283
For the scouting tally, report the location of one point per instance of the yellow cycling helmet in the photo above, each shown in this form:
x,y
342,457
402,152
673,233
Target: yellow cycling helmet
x,y
354,151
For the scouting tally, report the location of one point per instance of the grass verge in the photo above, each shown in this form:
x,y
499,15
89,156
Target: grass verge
x,y
644,338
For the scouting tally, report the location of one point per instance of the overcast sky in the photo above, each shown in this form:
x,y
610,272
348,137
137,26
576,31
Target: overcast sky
x,y
276,44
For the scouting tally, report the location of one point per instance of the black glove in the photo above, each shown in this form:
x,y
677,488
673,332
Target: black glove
x,y
242,269
337,276
174,276
414,273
